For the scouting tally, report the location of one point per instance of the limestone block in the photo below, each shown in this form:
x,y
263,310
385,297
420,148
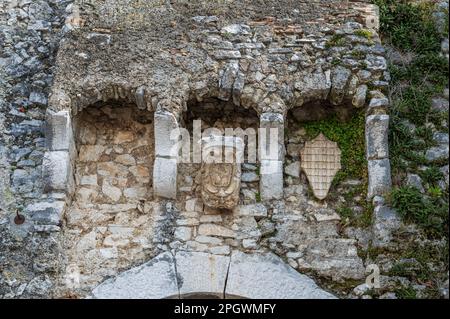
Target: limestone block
x,y
254,210
57,172
340,78
271,183
266,276
386,221
59,131
380,181
46,213
215,230
155,279
165,173
201,273
165,123
377,129
271,136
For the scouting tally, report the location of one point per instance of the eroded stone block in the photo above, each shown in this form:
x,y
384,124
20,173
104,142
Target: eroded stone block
x,y
59,131
165,173
201,272
377,129
57,172
271,182
165,124
380,181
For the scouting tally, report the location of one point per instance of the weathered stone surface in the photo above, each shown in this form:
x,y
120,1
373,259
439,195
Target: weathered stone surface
x,y
153,280
165,124
271,137
59,132
221,180
90,153
414,180
271,183
380,181
339,81
359,100
377,129
336,258
215,230
165,172
385,222
57,172
293,169
437,153
249,277
201,272
255,210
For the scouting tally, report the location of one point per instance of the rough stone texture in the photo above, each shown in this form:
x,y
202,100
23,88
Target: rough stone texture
x,y
57,172
379,177
268,277
377,130
165,172
262,276
107,60
386,221
271,183
200,272
153,280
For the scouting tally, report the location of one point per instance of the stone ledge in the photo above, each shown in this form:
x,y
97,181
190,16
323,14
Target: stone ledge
x,y
241,275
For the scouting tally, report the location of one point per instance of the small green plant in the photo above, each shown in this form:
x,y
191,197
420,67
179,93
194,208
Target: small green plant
x,y
406,293
338,40
435,192
258,197
364,33
431,214
431,175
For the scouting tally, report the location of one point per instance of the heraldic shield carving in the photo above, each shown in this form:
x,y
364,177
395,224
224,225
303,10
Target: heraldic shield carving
x,y
221,171
320,160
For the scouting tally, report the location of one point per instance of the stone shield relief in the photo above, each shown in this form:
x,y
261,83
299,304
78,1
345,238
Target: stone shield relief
x,y
320,160
221,172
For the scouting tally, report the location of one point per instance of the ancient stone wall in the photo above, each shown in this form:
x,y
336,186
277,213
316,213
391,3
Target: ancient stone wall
x,y
102,192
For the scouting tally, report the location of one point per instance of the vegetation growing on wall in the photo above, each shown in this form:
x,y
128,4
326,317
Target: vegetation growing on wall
x,y
350,138
410,30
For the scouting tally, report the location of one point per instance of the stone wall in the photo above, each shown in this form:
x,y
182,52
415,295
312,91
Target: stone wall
x,y
110,223
29,37
87,189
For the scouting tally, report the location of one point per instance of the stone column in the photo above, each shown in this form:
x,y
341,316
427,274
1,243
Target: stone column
x,y
377,151
271,155
165,169
57,167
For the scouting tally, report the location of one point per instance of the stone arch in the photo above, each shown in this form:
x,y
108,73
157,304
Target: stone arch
x,y
253,276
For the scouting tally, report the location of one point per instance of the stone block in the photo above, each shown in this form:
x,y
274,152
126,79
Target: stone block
x,y
380,181
201,273
57,172
46,213
254,210
271,182
266,276
155,279
377,129
165,173
59,131
385,222
165,124
271,136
